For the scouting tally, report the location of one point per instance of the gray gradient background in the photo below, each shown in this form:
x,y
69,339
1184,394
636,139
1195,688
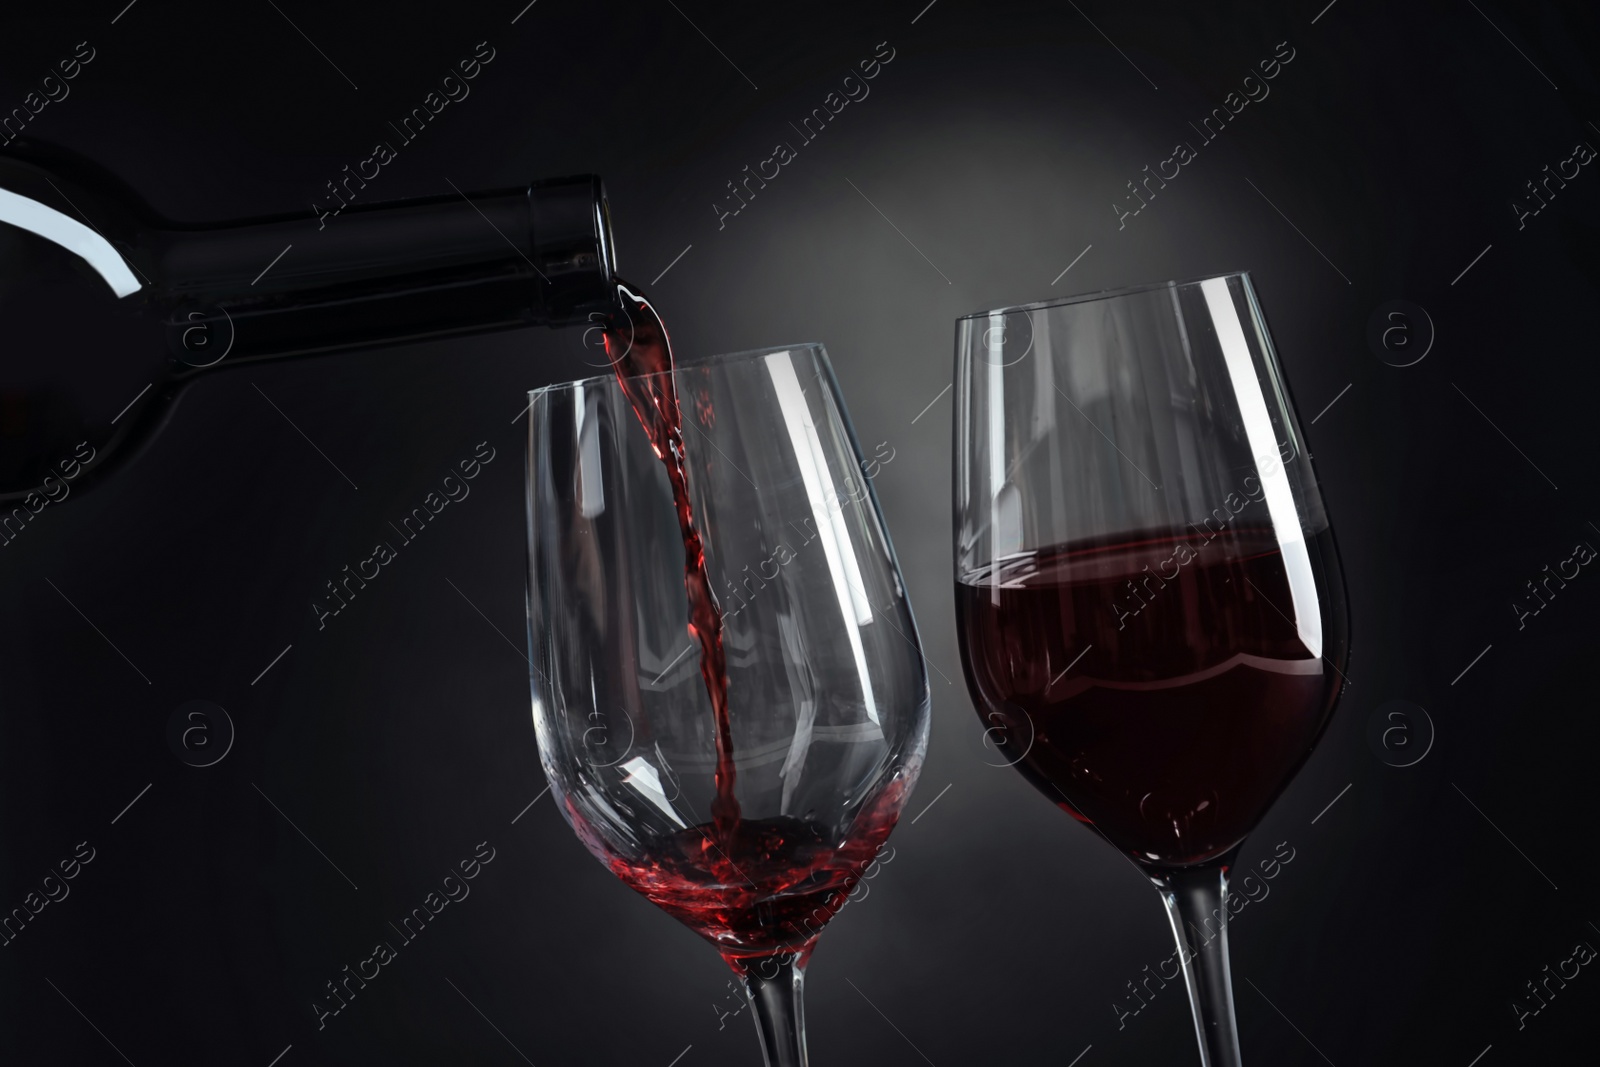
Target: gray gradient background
x,y
996,141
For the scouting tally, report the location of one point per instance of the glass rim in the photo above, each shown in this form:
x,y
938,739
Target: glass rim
x,y
1101,294
690,363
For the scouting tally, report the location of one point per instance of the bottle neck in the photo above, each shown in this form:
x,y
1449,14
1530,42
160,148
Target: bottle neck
x,y
265,257
371,275
382,275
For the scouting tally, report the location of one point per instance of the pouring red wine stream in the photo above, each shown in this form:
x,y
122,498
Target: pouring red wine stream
x,y
758,889
638,348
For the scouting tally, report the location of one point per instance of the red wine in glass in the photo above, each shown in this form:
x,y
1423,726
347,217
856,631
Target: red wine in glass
x,y
768,888
1150,604
746,472
1167,713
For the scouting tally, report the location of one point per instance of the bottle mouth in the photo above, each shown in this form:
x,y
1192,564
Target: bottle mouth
x,y
574,246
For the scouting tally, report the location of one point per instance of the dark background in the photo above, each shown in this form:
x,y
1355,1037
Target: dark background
x,y
997,140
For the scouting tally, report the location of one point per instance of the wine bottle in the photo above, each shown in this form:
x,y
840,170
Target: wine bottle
x,y
190,298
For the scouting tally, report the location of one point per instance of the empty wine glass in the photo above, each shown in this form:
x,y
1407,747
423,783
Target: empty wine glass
x,y
1151,609
749,825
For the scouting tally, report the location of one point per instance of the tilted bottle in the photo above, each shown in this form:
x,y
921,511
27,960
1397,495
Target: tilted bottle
x,y
185,299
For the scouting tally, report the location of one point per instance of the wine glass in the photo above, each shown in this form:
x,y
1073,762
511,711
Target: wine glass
x,y
751,824
1151,610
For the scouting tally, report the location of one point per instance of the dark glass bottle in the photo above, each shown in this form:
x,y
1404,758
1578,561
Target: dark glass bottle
x,y
100,294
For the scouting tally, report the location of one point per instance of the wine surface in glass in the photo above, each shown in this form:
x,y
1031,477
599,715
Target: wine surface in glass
x,y
1168,712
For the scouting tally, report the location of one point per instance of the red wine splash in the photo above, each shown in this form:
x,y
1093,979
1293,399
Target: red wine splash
x,y
767,888
639,350
1167,714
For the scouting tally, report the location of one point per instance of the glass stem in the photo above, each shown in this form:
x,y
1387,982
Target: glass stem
x,y
1197,905
775,985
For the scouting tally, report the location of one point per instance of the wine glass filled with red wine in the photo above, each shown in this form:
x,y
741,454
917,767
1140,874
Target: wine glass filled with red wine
x,y
1151,610
729,694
